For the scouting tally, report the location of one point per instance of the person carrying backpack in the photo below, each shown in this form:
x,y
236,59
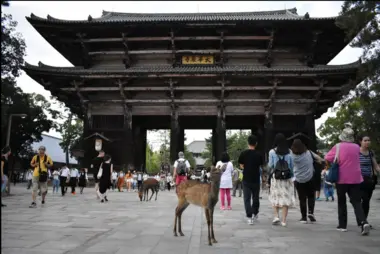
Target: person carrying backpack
x,y
281,185
181,169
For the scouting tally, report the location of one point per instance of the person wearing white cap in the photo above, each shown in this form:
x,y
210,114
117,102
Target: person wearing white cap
x,y
346,154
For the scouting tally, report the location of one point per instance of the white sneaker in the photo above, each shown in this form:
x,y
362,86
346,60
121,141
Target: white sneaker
x,y
255,218
276,221
283,224
250,221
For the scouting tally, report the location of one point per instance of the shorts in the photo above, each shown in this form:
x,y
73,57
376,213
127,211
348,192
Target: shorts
x,y
36,183
179,179
4,184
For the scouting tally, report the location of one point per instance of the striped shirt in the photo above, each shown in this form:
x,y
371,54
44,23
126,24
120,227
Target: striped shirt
x,y
365,165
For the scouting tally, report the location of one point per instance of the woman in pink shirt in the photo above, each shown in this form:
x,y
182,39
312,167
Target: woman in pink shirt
x,y
350,178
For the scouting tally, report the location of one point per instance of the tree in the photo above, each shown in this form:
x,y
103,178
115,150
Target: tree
x,y
13,101
236,143
71,131
360,20
152,160
207,153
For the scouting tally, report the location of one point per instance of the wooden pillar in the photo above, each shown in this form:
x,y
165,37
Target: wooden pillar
x,y
87,146
268,133
259,133
221,142
139,138
310,130
213,145
181,140
174,136
128,141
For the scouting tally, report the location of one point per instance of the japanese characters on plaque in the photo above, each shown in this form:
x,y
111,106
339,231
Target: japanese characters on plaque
x,y
198,59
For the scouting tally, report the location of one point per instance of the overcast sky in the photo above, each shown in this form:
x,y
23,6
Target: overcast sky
x,y
40,50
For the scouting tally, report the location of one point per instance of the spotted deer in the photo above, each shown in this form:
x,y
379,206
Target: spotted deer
x,y
200,194
148,184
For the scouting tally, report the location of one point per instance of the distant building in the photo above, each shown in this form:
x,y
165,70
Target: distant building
x,y
196,148
54,150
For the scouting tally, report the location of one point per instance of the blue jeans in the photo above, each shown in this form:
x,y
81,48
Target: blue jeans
x,y
4,184
55,184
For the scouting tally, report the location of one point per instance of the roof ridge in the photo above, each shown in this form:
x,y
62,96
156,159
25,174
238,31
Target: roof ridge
x,y
105,13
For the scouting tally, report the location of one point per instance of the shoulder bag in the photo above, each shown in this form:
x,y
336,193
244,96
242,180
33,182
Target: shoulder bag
x,y
333,173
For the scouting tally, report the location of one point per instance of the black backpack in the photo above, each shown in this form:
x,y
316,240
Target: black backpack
x,y
181,167
281,169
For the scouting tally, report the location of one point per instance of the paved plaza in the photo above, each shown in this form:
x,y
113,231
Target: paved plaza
x,y
80,224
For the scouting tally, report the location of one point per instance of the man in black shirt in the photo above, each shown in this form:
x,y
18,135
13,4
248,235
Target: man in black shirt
x,y
95,165
250,161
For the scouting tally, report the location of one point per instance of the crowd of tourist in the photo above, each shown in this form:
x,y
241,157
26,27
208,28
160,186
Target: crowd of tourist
x,y
290,170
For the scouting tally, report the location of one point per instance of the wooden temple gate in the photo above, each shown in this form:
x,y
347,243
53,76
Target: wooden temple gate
x,y
263,71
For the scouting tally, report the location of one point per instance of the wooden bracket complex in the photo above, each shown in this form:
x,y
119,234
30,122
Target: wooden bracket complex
x,y
314,106
309,58
173,48
268,57
126,59
85,51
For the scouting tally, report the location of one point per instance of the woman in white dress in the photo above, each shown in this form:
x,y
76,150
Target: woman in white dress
x,y
281,189
226,180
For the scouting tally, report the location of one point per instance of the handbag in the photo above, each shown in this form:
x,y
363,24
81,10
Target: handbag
x,y
100,172
374,176
333,173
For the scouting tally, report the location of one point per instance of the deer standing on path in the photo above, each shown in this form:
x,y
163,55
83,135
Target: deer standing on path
x,y
148,184
205,195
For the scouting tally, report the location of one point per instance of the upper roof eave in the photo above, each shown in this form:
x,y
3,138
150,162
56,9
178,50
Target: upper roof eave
x,y
117,17
234,69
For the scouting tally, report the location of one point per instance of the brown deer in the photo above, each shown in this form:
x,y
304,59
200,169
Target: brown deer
x,y
200,194
148,184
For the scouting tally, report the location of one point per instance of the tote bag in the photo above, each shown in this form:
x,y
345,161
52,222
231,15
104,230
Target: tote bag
x,y
333,173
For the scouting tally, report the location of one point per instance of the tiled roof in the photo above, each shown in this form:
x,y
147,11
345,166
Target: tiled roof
x,y
198,146
167,69
118,17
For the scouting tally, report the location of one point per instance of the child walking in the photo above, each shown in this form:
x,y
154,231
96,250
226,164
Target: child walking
x,y
328,187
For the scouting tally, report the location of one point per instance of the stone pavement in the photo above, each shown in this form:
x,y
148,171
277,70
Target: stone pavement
x,y
81,224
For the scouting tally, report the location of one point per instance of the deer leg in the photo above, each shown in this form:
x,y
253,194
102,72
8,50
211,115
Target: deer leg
x,y
152,194
175,221
212,225
146,195
207,213
156,194
180,211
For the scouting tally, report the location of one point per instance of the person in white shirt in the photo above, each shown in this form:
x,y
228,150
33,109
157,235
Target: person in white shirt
x,y
169,181
29,176
226,180
134,183
63,179
55,180
114,180
74,175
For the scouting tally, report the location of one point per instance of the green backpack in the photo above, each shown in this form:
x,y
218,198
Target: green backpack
x,y
240,175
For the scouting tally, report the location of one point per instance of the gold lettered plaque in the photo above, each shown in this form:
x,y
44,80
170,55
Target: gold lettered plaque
x,y
203,59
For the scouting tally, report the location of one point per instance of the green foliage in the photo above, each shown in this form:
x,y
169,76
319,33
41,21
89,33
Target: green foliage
x,y
71,131
236,143
153,162
207,153
13,101
360,20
